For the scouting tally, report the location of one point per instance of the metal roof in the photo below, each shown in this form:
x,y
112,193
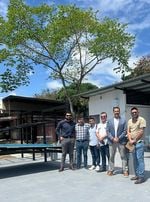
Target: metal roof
x,y
31,99
25,105
140,84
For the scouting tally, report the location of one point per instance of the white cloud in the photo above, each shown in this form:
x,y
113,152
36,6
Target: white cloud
x,y
54,85
103,74
113,5
141,25
136,13
12,93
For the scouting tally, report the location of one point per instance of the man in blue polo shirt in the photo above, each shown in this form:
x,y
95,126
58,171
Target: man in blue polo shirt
x,y
66,133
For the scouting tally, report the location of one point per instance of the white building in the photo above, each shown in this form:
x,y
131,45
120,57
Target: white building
x,y
133,92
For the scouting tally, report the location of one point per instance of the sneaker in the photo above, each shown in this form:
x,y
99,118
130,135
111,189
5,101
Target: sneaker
x,y
92,167
97,168
110,173
126,174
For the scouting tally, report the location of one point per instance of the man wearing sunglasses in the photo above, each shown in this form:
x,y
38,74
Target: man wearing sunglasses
x,y
103,140
66,133
136,126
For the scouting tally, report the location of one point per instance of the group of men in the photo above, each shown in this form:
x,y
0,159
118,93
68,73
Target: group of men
x,y
103,139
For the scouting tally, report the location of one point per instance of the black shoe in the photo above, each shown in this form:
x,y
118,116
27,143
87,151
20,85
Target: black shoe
x,y
134,178
139,181
61,169
86,167
71,167
78,167
102,170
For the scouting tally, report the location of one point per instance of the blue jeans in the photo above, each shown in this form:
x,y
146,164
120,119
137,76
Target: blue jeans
x,y
104,153
95,155
139,159
82,147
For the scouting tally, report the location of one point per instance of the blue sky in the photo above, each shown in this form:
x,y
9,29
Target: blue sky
x,y
134,12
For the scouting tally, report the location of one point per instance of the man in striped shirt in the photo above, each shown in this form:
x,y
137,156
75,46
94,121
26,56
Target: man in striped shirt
x,y
82,141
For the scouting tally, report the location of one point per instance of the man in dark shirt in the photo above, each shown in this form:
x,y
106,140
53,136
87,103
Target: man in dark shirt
x,y
66,133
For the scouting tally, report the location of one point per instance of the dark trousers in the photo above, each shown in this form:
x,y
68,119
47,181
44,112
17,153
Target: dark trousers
x,y
104,150
67,148
95,155
82,147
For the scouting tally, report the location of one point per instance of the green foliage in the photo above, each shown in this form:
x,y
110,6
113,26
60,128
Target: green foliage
x,y
72,90
47,94
67,40
141,67
80,105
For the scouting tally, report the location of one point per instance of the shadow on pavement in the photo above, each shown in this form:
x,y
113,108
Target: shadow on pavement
x,y
26,169
147,174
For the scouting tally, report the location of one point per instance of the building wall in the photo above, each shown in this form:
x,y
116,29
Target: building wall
x,y
106,102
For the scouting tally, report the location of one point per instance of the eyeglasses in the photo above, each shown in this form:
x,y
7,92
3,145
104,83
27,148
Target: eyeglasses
x,y
103,116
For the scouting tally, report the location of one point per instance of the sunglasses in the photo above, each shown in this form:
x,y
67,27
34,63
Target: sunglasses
x,y
68,115
103,116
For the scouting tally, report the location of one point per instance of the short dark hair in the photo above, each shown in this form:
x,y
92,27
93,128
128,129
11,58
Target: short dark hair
x,y
80,117
103,113
116,108
134,108
91,117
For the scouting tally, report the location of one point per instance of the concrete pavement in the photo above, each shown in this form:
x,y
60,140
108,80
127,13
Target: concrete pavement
x,y
22,180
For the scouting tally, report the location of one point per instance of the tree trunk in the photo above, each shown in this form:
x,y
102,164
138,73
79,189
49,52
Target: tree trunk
x,y
71,107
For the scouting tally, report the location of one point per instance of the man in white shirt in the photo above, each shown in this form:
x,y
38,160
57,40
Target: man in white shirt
x,y
93,143
103,140
116,129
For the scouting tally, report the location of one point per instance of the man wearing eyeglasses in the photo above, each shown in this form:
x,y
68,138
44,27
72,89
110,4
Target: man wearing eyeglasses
x,y
136,126
66,133
103,140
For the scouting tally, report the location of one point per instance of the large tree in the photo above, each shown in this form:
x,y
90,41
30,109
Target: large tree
x,y
67,40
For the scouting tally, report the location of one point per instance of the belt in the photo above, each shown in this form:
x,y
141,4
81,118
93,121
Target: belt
x,y
67,136
81,140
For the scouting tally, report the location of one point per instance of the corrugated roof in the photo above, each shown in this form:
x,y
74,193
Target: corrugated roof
x,y
31,99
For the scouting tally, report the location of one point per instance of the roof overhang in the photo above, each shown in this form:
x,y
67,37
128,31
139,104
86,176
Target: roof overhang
x,y
139,84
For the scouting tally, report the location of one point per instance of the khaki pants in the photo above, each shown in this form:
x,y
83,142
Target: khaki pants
x,y
67,148
123,155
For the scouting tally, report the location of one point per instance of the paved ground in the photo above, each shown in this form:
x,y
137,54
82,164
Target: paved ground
x,y
22,180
